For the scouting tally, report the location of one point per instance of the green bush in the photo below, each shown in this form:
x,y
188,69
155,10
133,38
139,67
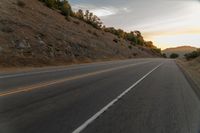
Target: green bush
x,y
79,14
164,55
61,5
157,50
50,3
135,37
76,22
21,3
66,8
174,56
130,47
89,18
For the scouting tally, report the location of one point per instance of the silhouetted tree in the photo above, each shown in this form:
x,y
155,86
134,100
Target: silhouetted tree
x,y
66,8
61,5
164,55
89,18
80,14
87,15
50,3
174,55
149,44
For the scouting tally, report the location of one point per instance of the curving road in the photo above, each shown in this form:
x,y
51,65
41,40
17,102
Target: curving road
x,y
130,96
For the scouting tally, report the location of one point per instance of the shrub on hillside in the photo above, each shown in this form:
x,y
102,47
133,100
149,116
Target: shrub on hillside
x,y
164,55
157,50
65,8
79,14
50,3
76,22
94,33
89,18
174,56
192,55
135,37
62,5
21,3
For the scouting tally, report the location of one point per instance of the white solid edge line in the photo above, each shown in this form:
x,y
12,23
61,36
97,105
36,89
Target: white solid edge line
x,y
95,116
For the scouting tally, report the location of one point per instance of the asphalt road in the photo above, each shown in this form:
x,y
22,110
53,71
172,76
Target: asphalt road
x,y
130,96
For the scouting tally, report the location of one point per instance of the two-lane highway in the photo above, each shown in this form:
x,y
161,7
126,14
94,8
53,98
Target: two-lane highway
x,y
14,80
131,96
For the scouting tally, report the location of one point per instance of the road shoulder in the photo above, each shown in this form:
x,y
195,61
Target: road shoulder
x,y
191,74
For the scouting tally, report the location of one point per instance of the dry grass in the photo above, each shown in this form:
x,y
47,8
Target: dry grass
x,y
192,68
39,36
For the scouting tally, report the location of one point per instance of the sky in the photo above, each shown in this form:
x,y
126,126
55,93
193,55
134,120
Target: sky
x,y
168,23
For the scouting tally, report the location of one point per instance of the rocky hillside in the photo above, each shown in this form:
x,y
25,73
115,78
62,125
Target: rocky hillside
x,y
32,34
179,50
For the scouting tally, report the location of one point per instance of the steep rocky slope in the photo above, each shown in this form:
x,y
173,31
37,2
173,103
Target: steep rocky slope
x,y
31,34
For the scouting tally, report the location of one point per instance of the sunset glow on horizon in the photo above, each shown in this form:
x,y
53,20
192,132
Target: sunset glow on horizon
x,y
168,23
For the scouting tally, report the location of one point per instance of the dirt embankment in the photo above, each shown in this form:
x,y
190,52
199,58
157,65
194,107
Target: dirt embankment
x,y
34,35
192,69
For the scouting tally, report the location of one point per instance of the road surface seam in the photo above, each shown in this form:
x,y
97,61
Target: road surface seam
x,y
49,71
34,73
49,83
95,116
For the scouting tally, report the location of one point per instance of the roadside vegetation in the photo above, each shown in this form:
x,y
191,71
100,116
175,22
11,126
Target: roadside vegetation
x,y
135,37
174,56
192,55
164,55
20,3
191,65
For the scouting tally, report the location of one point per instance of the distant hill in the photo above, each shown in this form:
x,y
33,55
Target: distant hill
x,y
179,50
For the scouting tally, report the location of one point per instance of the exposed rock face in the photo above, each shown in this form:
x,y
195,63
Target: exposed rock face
x,y
21,44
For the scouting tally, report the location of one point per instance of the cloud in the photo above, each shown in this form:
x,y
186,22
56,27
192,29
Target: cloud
x,y
151,17
107,11
104,11
101,11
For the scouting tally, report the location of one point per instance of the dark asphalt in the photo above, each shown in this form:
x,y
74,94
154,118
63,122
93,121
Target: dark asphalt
x,y
164,102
